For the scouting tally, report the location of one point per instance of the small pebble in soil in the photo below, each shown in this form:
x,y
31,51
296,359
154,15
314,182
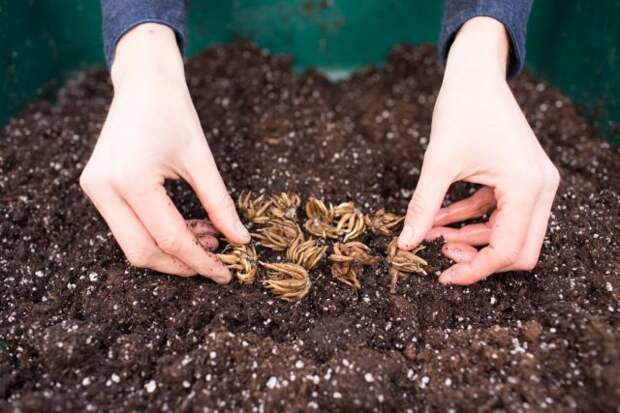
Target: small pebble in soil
x,y
150,386
272,382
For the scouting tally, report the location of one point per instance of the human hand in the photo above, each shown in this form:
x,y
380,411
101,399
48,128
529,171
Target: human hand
x,y
480,135
152,133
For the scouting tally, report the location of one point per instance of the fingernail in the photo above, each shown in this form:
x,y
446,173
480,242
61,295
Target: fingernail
x,y
226,278
242,231
405,236
222,277
445,278
208,242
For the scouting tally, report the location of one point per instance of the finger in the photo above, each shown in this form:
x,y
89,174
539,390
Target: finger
x,y
206,181
169,230
208,242
508,234
538,227
473,207
136,243
202,227
459,252
164,263
474,234
429,194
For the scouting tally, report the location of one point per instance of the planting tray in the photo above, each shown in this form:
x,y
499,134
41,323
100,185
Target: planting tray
x,y
82,330
572,43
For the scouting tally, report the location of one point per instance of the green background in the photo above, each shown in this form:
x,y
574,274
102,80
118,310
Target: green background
x,y
572,43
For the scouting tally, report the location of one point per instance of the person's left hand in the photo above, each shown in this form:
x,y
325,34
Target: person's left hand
x,y
480,135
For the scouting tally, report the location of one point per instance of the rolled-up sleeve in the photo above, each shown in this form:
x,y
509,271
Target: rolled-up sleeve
x,y
513,14
120,16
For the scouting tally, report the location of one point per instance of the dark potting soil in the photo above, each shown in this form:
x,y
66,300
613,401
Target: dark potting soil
x,y
80,330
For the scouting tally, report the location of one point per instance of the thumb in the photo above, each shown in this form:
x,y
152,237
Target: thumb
x,y
426,201
207,182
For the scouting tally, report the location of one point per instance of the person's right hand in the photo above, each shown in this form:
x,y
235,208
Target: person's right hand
x,y
152,133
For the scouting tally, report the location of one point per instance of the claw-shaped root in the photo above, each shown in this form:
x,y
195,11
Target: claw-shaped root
x,y
285,206
278,234
348,260
288,281
350,220
254,210
403,263
383,223
320,219
241,260
305,253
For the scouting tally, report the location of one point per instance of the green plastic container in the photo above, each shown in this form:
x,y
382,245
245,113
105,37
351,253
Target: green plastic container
x,y
572,43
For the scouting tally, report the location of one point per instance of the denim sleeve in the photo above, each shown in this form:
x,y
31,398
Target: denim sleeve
x,y
120,16
512,13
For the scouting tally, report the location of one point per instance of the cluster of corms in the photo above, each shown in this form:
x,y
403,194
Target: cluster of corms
x,y
279,229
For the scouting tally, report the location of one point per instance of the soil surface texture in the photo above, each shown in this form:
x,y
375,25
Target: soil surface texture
x,y
81,330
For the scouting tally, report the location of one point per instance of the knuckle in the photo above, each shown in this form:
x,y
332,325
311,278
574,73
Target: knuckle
x,y
123,178
85,183
532,178
88,180
553,177
170,243
528,263
129,178
138,257
507,257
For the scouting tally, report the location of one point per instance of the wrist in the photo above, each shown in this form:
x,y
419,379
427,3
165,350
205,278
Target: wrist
x,y
480,49
148,51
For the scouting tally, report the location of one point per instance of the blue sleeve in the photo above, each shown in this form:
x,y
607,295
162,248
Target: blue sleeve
x,y
120,16
512,13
